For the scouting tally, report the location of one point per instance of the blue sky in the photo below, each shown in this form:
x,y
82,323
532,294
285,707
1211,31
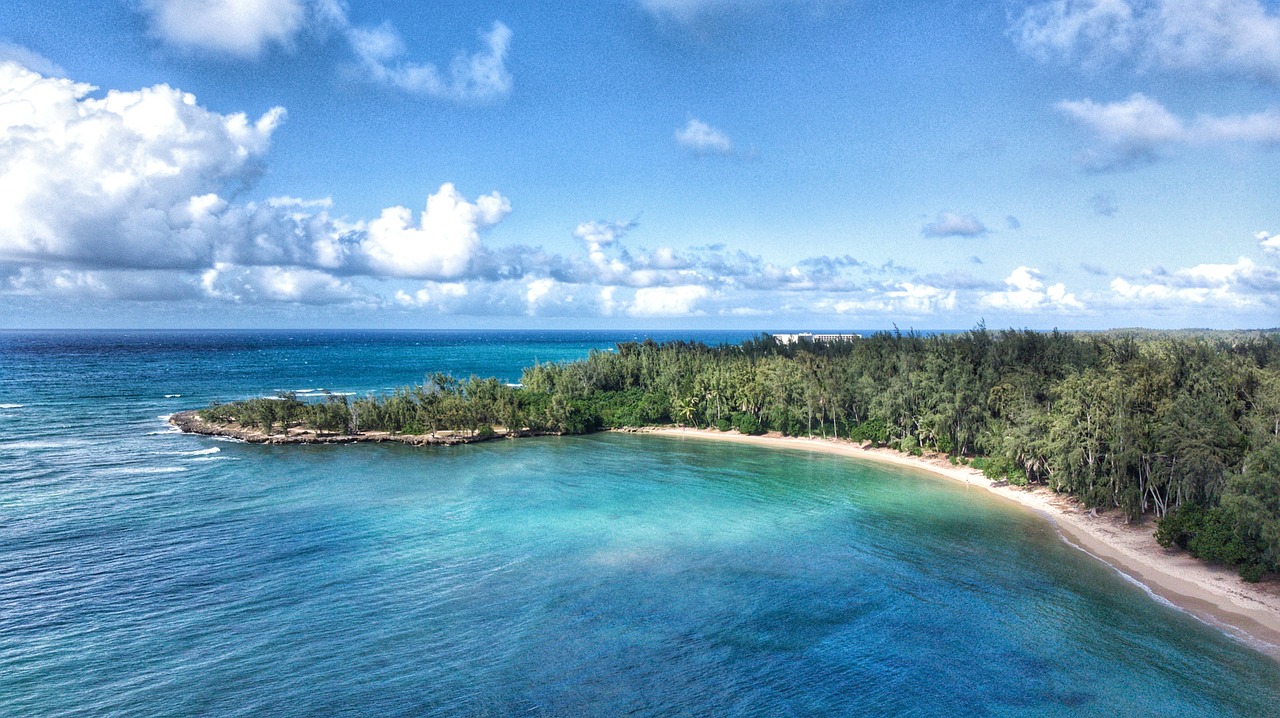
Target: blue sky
x,y
762,164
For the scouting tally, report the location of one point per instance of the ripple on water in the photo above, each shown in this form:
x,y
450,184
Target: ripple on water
x,y
604,575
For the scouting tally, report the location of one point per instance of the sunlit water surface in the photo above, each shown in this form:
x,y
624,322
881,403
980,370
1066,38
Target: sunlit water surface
x,y
144,572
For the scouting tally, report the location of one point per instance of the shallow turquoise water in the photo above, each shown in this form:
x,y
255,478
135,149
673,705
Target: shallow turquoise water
x,y
150,573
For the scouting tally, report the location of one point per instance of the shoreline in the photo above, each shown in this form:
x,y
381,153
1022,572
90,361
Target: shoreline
x,y
1215,595
190,422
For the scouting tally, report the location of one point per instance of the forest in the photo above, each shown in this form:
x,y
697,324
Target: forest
x,y
1182,429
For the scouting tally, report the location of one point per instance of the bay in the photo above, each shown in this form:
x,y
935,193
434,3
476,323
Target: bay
x,y
144,572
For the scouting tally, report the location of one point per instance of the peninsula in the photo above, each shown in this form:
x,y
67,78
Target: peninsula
x,y
1145,449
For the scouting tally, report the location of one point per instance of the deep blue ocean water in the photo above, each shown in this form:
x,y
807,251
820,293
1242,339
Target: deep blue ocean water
x,y
144,572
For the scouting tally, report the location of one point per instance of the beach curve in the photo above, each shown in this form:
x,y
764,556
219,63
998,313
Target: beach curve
x,y
1213,594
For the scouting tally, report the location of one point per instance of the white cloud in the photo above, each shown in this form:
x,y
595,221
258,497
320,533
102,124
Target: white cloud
x,y
432,292
1236,37
1242,285
246,28
476,77
241,28
443,243
1140,130
29,59
537,289
1027,293
703,139
917,298
1270,242
119,181
952,224
598,234
75,284
667,301
899,298
254,285
1086,30
135,181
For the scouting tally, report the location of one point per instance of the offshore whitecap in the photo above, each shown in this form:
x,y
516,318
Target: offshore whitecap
x,y
600,575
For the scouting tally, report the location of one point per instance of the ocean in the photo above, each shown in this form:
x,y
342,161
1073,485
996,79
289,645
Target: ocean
x,y
149,573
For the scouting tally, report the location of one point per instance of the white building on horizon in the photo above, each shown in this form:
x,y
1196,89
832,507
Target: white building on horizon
x,y
813,337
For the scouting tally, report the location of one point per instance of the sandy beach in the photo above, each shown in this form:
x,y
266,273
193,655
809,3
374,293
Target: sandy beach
x,y
1250,612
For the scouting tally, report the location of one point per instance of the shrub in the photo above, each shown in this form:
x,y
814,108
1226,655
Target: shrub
x,y
747,424
1211,534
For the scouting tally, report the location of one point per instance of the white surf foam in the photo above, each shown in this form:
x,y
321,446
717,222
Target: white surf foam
x,y
145,470
170,430
12,406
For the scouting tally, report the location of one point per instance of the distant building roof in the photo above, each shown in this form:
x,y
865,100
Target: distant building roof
x,y
813,337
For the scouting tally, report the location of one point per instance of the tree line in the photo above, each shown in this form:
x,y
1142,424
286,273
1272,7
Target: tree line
x,y
1181,428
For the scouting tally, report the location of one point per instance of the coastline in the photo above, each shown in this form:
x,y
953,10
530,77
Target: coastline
x,y
1213,594
191,423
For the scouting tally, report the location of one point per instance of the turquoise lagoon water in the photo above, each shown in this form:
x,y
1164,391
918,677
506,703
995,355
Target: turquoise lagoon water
x,y
144,572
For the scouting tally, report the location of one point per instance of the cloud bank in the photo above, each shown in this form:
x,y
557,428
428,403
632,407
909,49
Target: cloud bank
x,y
140,180
132,196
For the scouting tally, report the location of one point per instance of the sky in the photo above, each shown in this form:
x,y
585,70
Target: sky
x,y
746,164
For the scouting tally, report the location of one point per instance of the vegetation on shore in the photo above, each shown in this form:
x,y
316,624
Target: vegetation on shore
x,y
1182,428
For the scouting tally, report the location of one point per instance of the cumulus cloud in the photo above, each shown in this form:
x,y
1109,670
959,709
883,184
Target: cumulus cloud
x,y
240,28
1025,292
1241,285
953,224
125,180
1233,37
443,242
130,196
703,139
136,181
1139,130
476,77
667,301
